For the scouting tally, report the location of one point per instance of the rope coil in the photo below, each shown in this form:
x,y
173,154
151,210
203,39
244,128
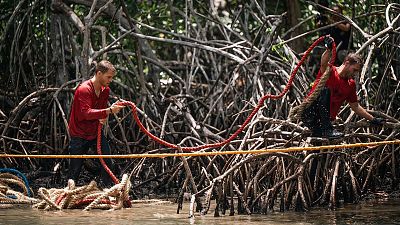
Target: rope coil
x,y
10,197
85,197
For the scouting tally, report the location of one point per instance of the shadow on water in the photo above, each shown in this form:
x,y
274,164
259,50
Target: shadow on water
x,y
370,212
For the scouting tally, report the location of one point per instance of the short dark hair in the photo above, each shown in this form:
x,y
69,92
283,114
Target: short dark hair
x,y
104,66
354,58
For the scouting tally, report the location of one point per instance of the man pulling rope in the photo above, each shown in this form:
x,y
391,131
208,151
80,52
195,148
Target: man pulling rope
x,y
332,87
89,109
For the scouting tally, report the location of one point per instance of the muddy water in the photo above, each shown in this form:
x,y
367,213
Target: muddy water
x,y
370,212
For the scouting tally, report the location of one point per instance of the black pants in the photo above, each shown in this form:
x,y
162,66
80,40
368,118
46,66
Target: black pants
x,y
317,116
80,146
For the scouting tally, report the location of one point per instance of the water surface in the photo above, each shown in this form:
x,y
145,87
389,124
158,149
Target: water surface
x,y
370,212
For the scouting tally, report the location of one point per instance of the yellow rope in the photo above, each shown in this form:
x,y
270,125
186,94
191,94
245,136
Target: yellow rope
x,y
164,155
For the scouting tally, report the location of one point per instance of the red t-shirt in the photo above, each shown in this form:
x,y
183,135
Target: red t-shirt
x,y
341,90
86,110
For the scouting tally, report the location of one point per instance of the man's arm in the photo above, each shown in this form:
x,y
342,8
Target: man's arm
x,y
359,110
325,60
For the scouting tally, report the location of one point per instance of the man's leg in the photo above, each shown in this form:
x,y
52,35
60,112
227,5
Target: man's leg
x,y
77,146
324,112
310,119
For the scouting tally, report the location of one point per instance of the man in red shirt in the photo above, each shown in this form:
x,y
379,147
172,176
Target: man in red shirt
x,y
89,108
339,87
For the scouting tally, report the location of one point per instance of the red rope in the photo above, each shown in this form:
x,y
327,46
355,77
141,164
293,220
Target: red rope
x,y
60,198
234,135
88,201
103,163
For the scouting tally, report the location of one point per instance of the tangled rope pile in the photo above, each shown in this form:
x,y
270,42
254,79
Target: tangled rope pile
x,y
10,197
71,197
86,197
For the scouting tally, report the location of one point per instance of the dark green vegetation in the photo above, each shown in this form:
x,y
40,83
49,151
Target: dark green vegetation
x,y
196,69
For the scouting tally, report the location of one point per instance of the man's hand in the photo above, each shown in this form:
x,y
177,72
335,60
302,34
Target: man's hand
x,y
115,107
376,121
328,42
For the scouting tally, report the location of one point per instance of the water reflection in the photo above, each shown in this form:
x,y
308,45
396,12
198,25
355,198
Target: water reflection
x,y
371,212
